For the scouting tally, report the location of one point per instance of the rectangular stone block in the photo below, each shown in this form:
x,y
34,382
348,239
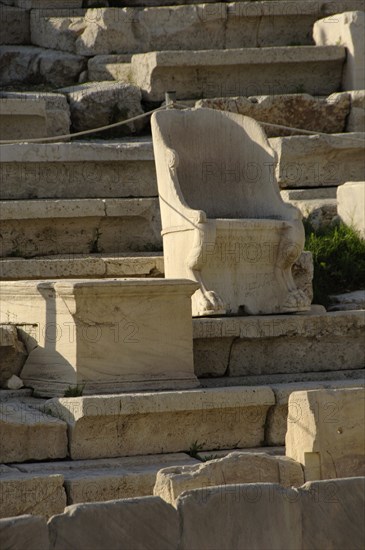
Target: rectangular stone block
x,y
79,226
285,344
39,495
24,532
238,72
351,205
326,432
104,335
79,170
22,120
236,468
109,478
333,514
319,161
140,423
29,434
245,508
12,353
56,114
347,29
277,418
142,523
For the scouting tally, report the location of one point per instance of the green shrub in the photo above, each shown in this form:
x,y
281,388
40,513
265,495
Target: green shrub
x,y
339,261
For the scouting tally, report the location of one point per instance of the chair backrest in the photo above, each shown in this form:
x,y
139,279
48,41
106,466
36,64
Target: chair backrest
x,y
226,166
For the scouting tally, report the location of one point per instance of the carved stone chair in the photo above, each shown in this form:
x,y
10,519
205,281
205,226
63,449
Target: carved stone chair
x,y
224,224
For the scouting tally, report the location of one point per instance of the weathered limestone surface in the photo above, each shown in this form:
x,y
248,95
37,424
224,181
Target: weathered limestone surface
x,y
75,266
238,72
235,468
347,29
49,28
333,514
20,494
224,223
326,432
79,226
101,103
91,169
24,532
103,334
29,434
141,523
205,514
23,64
140,423
351,205
277,418
109,478
283,344
12,353
316,161
110,67
348,301
14,25
302,272
356,118
56,113
199,27
314,193
297,110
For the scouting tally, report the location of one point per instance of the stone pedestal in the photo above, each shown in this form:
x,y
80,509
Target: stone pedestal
x,y
103,336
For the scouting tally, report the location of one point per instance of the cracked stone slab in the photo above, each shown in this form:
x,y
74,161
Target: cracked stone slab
x,y
109,478
348,301
235,468
41,495
238,72
29,434
302,111
140,423
279,344
79,226
79,330
22,64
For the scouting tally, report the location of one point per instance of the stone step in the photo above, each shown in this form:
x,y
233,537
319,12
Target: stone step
x,y
140,423
83,266
126,168
347,301
186,27
81,169
29,434
261,346
105,479
197,74
316,161
79,226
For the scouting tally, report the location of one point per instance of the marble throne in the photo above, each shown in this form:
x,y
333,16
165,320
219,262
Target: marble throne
x,y
224,224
